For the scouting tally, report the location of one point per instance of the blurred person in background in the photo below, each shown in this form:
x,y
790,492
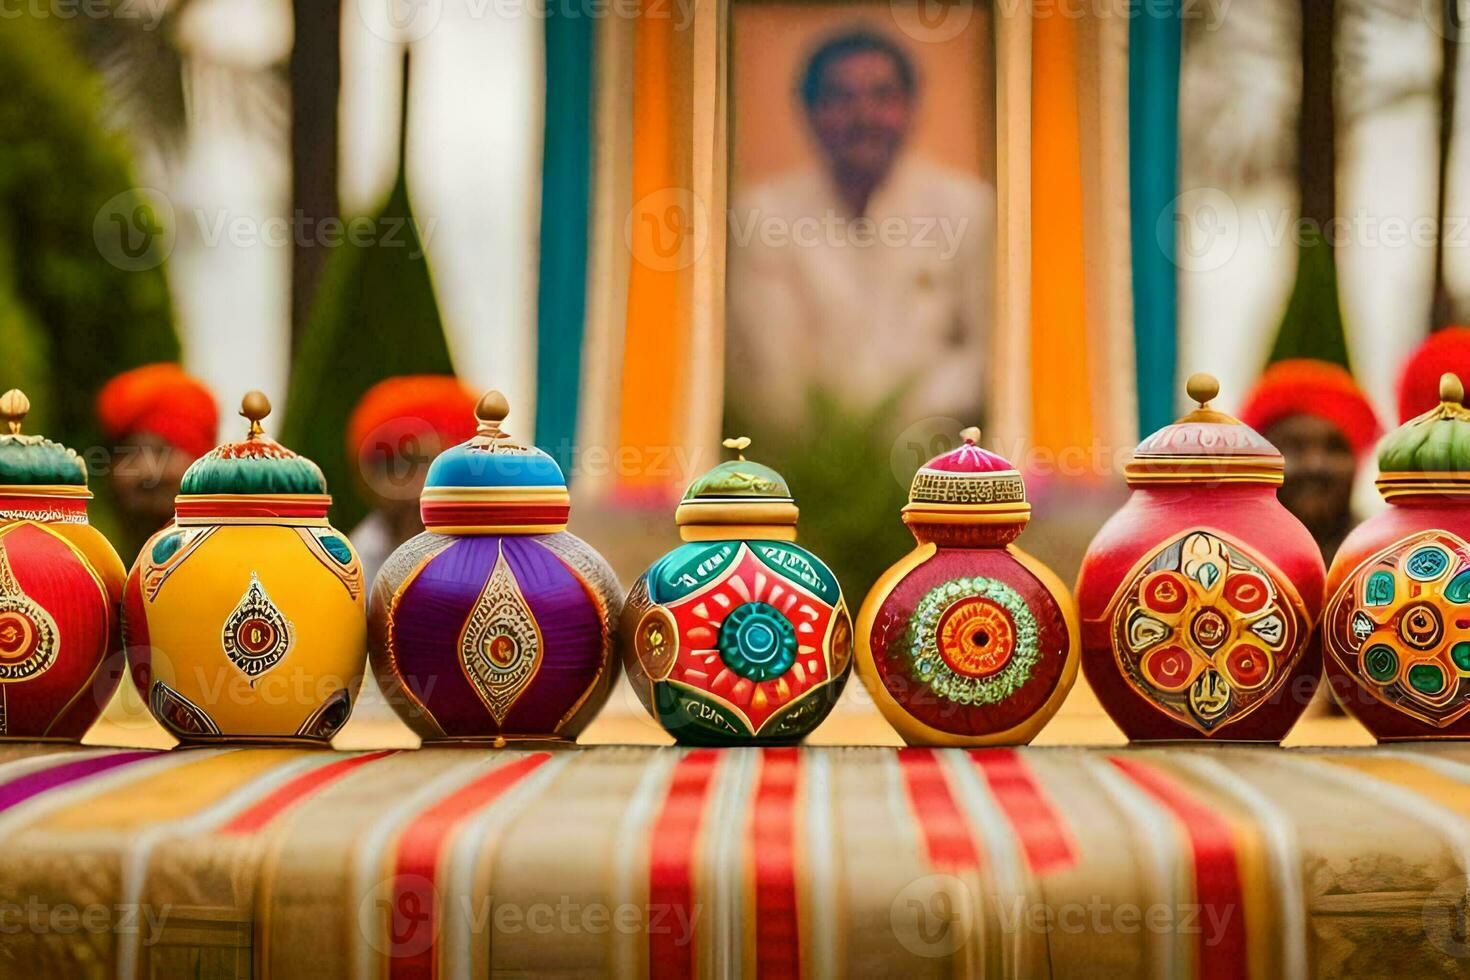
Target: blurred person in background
x,y
870,272
394,433
1445,350
159,420
1325,427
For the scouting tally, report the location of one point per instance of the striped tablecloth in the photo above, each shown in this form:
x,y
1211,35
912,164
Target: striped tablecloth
x,y
1100,862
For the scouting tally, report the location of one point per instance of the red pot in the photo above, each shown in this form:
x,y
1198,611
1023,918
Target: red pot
x,y
1396,630
1198,598
60,585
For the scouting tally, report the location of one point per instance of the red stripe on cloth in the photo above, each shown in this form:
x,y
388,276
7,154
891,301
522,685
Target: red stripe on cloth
x,y
671,857
947,835
294,792
412,954
1034,820
773,844
1217,885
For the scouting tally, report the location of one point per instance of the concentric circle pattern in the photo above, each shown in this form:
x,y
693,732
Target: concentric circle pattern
x,y
757,642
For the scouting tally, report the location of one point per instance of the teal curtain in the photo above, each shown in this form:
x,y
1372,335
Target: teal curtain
x,y
566,182
1153,178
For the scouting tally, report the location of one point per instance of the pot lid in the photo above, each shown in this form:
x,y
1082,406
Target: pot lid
x,y
254,478
737,498
492,484
1429,455
967,485
1205,446
32,463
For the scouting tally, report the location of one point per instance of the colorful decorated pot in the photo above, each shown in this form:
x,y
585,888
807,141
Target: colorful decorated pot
x,y
739,636
968,640
495,624
60,586
1198,599
244,618
1396,631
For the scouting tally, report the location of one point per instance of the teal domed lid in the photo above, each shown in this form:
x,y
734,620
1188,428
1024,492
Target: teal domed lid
x,y
492,484
256,465
34,461
1429,455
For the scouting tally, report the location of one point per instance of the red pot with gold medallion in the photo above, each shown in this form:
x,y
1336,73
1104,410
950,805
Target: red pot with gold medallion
x,y
1396,630
1199,597
60,586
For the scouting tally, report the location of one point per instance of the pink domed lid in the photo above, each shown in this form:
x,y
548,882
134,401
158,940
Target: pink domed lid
x,y
1205,446
967,485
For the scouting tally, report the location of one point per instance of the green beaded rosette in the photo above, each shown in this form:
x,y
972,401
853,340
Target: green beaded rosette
x,y
938,657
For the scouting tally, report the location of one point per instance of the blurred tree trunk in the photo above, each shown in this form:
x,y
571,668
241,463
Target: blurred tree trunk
x,y
316,79
1444,310
1312,325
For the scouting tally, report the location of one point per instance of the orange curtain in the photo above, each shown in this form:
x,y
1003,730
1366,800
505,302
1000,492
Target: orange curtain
x,y
1061,412
660,236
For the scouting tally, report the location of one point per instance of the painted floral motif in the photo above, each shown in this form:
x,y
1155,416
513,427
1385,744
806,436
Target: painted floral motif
x,y
1205,632
754,640
1400,625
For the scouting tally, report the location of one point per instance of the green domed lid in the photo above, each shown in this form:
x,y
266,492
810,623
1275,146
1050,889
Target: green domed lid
x,y
1431,453
257,465
739,478
34,461
737,494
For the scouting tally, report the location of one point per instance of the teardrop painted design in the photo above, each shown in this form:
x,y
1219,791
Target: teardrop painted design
x,y
500,646
256,635
29,640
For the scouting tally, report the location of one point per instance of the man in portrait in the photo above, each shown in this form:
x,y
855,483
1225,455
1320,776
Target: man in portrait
x,y
868,273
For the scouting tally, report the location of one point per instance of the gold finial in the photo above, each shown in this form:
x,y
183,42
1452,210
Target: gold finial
x,y
254,407
971,435
1202,388
13,408
1451,389
491,410
739,444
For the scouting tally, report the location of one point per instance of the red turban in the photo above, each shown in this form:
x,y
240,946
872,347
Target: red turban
x,y
396,411
1445,350
161,400
1317,388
